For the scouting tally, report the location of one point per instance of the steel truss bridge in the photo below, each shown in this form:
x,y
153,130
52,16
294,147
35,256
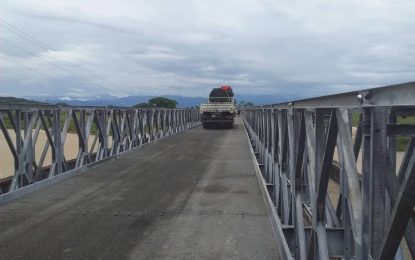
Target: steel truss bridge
x,y
310,179
116,130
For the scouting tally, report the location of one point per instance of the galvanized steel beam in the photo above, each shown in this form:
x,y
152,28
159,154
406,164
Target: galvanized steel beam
x,y
295,143
94,127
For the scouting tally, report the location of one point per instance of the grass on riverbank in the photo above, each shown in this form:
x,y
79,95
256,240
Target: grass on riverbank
x,y
401,141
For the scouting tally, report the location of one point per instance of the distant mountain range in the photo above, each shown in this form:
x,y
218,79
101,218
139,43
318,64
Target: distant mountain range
x,y
132,100
16,101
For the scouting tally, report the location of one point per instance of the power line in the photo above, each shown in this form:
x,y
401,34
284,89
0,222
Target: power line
x,y
44,46
32,39
34,54
34,70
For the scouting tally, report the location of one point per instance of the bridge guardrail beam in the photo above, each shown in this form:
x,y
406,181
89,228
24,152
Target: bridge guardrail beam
x,y
370,210
101,132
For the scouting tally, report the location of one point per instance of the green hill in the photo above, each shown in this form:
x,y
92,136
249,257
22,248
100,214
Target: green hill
x,y
17,101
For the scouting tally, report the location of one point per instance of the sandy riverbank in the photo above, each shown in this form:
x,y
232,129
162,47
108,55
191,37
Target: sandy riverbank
x,y
6,157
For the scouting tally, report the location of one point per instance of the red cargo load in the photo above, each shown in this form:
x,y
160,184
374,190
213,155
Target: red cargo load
x,y
226,88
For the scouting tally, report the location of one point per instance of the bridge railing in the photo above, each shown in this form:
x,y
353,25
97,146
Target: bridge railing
x,y
304,147
100,132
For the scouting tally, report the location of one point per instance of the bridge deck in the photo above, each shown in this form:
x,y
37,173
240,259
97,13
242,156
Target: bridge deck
x,y
193,195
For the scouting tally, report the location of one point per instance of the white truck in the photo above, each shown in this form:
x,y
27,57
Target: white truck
x,y
220,111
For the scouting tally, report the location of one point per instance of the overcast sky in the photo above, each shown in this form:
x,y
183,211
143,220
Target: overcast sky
x,y
142,47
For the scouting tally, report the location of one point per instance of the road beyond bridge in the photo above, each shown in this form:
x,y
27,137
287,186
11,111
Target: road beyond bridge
x,y
190,196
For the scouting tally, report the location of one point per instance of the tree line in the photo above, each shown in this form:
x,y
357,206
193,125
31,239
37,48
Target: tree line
x,y
158,102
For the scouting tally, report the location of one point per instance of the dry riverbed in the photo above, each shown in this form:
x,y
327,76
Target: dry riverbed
x,y
6,157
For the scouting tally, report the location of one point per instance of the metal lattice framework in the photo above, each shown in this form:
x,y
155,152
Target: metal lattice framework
x,y
101,132
304,147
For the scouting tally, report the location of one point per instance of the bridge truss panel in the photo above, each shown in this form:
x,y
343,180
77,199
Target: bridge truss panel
x,y
330,171
101,133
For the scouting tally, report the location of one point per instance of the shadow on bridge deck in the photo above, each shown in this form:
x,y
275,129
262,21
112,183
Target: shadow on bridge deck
x,y
189,196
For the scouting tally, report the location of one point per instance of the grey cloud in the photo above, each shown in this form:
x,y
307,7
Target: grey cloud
x,y
295,48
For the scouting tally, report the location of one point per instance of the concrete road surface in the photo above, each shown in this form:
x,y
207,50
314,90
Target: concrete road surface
x,y
190,196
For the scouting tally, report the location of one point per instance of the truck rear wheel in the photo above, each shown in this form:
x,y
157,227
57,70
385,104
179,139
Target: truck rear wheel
x,y
205,125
